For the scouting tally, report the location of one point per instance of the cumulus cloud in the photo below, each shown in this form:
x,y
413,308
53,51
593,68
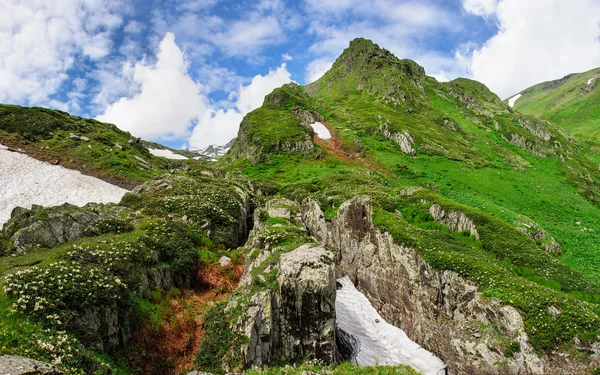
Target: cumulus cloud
x,y
480,7
405,28
41,40
537,40
317,68
220,126
168,100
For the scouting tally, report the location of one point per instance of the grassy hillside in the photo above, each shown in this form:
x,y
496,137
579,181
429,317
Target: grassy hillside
x,y
393,127
571,102
93,147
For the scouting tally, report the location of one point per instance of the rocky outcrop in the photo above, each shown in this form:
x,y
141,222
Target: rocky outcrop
x,y
286,297
536,233
14,365
41,227
306,281
456,221
403,139
439,310
526,145
537,129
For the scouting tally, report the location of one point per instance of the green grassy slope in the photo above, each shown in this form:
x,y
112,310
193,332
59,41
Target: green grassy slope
x,y
570,102
470,151
108,153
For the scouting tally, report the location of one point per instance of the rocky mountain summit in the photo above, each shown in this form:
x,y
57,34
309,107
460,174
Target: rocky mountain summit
x,y
438,230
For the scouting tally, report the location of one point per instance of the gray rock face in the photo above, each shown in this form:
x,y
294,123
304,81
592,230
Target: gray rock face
x,y
31,228
291,317
307,287
439,310
456,221
14,365
297,321
536,233
539,130
403,139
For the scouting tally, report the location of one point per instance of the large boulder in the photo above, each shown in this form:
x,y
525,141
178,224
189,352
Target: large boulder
x,y
47,227
285,302
14,365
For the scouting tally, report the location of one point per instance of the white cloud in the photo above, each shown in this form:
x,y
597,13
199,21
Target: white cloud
x,y
401,27
316,68
134,27
168,101
41,40
286,56
538,40
480,7
220,126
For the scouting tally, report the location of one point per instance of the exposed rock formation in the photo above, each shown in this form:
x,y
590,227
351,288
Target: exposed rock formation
x,y
536,129
403,139
48,227
14,365
440,310
290,315
530,228
371,340
456,221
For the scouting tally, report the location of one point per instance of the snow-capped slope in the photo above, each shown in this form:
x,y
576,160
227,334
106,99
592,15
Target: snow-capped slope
x,y
321,130
166,154
379,343
25,181
513,100
214,152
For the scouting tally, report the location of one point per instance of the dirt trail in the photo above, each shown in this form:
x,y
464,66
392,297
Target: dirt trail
x,y
334,146
168,347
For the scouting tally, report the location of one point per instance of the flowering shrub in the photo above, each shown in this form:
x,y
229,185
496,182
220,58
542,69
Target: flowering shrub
x,y
56,292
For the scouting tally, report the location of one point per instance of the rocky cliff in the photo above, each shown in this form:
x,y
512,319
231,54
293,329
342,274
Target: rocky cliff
x,y
440,310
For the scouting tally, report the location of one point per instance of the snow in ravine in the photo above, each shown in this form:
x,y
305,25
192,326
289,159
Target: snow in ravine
x,y
321,130
379,342
166,154
590,81
513,100
25,181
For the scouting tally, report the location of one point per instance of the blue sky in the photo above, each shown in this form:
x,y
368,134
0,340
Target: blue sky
x,y
184,73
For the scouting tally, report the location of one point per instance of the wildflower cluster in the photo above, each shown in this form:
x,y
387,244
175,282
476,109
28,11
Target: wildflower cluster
x,y
206,202
55,292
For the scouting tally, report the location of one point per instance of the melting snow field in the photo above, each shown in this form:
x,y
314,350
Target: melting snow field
x,y
379,342
513,100
166,154
25,181
321,130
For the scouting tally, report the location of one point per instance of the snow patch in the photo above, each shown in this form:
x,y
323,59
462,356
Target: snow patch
x,y
513,100
166,154
380,343
590,81
25,181
321,130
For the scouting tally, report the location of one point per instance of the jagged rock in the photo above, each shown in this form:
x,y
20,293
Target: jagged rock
x,y
279,208
313,218
307,117
48,227
436,309
533,230
403,139
292,316
307,310
456,221
538,130
14,365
